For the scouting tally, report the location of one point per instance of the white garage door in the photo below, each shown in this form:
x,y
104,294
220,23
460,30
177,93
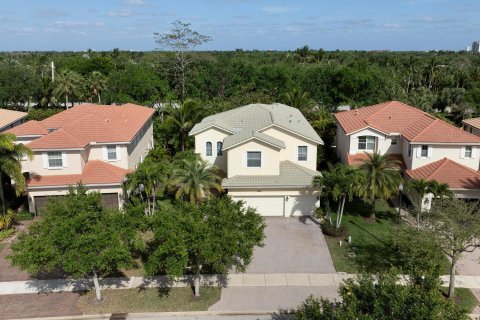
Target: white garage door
x,y
266,206
300,205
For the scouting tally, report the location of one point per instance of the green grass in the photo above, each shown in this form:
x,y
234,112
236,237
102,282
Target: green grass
x,y
6,233
24,215
148,300
464,297
377,244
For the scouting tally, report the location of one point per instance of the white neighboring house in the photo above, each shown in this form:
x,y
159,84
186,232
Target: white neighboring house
x,y
95,145
427,147
267,155
10,119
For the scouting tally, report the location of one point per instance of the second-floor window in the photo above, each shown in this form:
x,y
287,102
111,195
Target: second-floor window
x,y
302,153
254,159
208,149
468,152
55,159
424,151
366,143
219,148
394,141
112,153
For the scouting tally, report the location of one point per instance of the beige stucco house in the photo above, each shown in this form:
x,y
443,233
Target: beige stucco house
x,y
11,118
96,145
427,147
267,155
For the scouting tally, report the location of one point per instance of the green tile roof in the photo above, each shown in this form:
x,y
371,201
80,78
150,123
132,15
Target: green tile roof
x,y
291,175
244,135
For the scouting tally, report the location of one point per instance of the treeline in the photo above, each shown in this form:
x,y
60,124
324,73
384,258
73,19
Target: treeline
x,y
428,80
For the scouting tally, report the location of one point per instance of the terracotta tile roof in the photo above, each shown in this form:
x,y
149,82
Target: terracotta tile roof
x,y
456,175
80,125
397,117
357,159
7,117
94,172
474,122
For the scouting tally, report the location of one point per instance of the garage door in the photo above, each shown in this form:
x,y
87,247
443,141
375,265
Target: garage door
x,y
266,206
300,205
110,200
42,201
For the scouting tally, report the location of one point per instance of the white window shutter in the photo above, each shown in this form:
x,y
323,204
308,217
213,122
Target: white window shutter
x,y
105,153
462,153
474,152
118,152
45,160
429,152
419,151
64,159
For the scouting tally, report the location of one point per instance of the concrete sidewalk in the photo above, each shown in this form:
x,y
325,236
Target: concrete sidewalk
x,y
229,281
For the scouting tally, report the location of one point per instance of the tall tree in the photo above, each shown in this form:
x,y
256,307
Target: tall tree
x,y
456,226
78,236
181,39
216,236
378,178
300,100
421,187
440,190
68,84
11,155
195,180
97,83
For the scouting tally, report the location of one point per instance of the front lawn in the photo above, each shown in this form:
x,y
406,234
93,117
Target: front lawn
x,y
148,300
464,297
377,244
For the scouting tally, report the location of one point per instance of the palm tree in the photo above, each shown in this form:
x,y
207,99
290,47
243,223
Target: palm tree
x,y
195,180
300,100
181,118
440,190
10,156
378,178
68,84
422,187
339,183
97,83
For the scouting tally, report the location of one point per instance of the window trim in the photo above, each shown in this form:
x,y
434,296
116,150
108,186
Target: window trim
x,y
367,143
422,150
108,152
208,149
61,160
298,153
246,160
465,152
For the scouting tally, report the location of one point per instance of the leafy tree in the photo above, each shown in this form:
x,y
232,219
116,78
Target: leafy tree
x,y
456,226
369,298
11,155
440,190
378,178
18,84
300,100
97,83
422,187
218,235
181,39
68,84
195,180
77,235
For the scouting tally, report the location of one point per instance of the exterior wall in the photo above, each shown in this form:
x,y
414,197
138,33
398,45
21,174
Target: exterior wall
x,y
272,192
12,125
381,143
95,152
138,151
74,165
60,192
471,129
438,152
343,144
292,142
467,194
213,135
237,160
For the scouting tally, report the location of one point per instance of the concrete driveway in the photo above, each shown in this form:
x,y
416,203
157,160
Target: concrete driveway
x,y
292,245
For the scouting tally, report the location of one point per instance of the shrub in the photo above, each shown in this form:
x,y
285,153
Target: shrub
x,y
319,213
331,230
7,220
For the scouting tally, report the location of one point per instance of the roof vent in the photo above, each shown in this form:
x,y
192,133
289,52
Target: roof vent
x,y
51,129
107,120
356,112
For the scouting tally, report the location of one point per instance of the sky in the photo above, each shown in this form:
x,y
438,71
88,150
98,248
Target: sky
x,y
66,25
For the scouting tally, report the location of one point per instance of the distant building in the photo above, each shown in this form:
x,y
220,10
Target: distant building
x,y
476,46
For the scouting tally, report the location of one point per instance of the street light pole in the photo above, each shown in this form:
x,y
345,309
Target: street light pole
x,y
400,189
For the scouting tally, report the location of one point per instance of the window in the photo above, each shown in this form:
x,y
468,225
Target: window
x,y
409,150
111,153
470,129
366,143
219,148
55,159
208,149
468,151
254,159
302,153
424,151
394,141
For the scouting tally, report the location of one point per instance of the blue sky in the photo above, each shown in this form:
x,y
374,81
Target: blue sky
x,y
248,24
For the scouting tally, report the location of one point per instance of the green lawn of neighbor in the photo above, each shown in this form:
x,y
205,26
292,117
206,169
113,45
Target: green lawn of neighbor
x,y
148,300
465,298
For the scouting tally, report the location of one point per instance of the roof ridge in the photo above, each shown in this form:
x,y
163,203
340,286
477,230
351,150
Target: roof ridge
x,y
443,162
425,128
461,165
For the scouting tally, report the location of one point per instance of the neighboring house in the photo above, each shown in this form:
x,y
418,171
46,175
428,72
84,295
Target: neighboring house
x,y
10,119
267,155
93,144
472,126
415,138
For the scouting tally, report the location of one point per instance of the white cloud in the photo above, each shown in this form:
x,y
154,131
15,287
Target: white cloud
x,y
73,24
393,25
135,2
274,9
124,13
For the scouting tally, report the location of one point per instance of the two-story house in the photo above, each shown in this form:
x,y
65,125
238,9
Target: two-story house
x,y
428,147
11,118
267,155
96,145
